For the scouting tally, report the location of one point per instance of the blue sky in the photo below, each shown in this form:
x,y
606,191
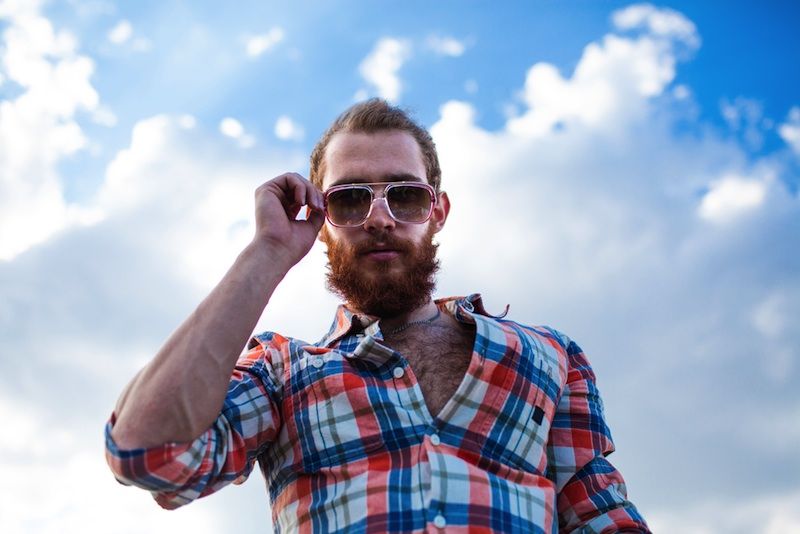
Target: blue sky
x,y
626,173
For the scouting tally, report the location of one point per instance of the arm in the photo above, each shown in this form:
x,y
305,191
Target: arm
x,y
592,496
180,393
177,473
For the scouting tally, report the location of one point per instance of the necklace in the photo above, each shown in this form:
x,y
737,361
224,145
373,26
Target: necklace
x,y
412,323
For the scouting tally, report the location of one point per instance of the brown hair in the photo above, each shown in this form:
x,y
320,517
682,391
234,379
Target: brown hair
x,y
375,115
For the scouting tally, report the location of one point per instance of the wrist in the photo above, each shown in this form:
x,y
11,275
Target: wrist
x,y
269,258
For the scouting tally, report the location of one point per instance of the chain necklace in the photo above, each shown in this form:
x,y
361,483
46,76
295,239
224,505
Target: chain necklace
x,y
412,323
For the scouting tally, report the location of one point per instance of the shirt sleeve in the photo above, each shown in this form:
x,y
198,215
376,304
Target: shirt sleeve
x,y
592,497
178,473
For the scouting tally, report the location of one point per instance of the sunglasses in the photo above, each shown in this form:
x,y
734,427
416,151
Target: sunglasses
x,y
351,204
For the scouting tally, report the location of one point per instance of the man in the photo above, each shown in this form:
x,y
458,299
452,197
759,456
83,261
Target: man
x,y
410,414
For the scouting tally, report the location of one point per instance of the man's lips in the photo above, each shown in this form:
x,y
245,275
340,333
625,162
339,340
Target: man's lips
x,y
382,254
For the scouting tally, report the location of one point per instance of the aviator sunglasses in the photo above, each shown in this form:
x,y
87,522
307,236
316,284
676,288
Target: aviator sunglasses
x,y
351,204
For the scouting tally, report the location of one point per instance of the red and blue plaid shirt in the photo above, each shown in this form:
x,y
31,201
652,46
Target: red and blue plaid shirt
x,y
346,443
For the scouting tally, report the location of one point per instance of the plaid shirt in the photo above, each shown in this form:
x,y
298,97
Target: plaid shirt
x,y
344,438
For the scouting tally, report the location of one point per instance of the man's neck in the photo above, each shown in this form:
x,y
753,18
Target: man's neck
x,y
424,312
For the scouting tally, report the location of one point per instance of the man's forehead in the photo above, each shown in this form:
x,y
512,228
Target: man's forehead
x,y
386,178
383,156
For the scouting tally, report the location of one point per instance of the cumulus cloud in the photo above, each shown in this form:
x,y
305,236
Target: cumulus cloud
x,y
587,203
658,22
381,66
445,45
256,45
288,130
232,128
745,116
790,130
121,32
731,196
38,128
772,514
614,80
177,207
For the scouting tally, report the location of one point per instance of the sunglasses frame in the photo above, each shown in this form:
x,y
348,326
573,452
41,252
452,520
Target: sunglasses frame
x,y
373,198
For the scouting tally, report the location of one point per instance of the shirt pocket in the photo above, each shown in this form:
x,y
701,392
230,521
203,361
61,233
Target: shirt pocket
x,y
517,436
334,420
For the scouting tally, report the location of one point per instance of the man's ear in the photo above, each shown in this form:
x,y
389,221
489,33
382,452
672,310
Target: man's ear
x,y
440,212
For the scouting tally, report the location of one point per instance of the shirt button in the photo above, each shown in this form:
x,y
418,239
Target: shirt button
x,y
436,441
317,362
398,372
439,521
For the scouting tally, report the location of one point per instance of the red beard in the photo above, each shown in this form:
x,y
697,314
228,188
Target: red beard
x,y
384,293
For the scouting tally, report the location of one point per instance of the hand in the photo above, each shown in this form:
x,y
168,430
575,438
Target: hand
x,y
278,202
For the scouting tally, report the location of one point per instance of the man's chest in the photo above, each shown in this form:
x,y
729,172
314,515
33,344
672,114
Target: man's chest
x,y
439,358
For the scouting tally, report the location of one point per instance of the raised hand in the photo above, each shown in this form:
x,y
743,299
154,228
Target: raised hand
x,y
278,202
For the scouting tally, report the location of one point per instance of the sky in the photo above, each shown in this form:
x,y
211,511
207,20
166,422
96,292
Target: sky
x,y
626,173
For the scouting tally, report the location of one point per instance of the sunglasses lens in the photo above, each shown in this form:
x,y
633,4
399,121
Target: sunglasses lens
x,y
349,207
409,203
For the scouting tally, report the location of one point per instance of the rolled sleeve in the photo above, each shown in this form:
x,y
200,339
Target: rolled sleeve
x,y
592,497
177,473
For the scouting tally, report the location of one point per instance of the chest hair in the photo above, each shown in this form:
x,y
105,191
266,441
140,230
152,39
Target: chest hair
x,y
439,355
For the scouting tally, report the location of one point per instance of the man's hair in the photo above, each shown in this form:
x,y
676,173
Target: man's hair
x,y
377,115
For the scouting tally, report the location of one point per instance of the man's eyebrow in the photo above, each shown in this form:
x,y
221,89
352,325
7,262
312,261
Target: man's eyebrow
x,y
393,177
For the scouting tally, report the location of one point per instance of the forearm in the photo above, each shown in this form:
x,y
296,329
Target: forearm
x,y
180,392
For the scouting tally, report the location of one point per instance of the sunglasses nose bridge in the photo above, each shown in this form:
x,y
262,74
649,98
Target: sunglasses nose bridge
x,y
386,207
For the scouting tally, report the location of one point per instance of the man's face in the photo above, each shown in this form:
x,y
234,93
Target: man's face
x,y
382,267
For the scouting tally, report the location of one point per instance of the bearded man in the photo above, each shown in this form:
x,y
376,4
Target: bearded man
x,y
411,414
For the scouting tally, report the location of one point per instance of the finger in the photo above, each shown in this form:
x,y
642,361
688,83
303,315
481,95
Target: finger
x,y
300,193
316,219
314,198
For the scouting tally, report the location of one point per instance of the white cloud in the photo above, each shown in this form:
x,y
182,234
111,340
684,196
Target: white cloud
x,y
121,32
745,116
380,68
774,318
256,45
232,128
613,80
658,22
790,130
445,46
731,196
772,514
288,130
586,204
38,127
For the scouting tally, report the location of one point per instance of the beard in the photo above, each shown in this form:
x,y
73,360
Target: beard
x,y
382,293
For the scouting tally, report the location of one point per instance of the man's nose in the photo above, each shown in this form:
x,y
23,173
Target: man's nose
x,y
379,217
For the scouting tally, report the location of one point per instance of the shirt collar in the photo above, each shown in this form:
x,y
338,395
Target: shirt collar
x,y
345,322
